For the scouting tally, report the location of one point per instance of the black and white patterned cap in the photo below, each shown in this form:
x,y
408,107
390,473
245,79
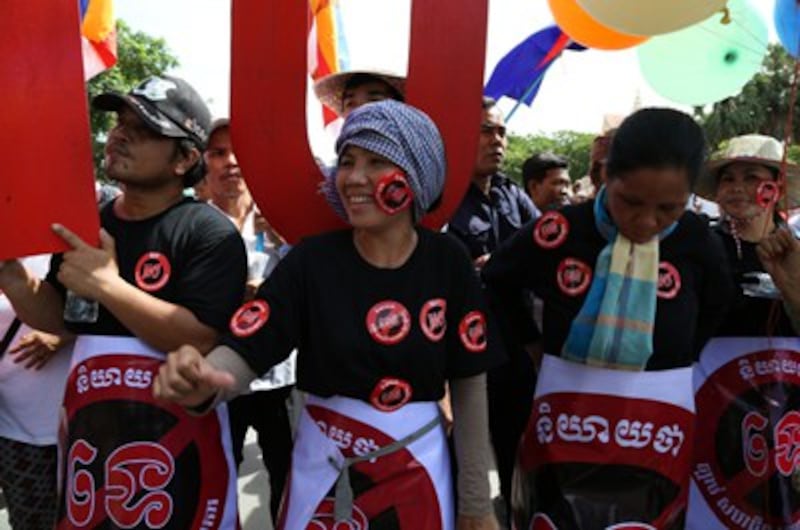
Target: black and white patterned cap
x,y
408,138
168,105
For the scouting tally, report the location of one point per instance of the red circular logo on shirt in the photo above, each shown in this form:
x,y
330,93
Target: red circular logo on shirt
x,y
669,281
249,318
551,230
542,521
393,193
767,194
152,271
390,394
388,322
472,331
573,277
432,319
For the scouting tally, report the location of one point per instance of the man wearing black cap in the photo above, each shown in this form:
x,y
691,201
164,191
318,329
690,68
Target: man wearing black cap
x,y
169,271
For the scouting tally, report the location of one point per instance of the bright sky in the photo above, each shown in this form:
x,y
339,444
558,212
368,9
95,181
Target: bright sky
x,y
576,93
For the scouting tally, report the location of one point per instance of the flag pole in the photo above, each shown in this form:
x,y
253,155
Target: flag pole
x,y
528,92
555,52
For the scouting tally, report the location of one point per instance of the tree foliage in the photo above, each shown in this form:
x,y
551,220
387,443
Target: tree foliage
x,y
574,146
139,56
761,107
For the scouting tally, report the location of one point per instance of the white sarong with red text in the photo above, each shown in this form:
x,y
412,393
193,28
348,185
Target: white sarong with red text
x,y
409,489
605,449
746,471
128,461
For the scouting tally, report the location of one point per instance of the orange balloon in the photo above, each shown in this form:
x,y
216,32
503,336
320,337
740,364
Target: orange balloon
x,y
583,29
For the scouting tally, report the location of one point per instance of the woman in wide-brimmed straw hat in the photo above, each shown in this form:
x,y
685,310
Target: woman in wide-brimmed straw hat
x,y
342,92
742,398
745,180
735,177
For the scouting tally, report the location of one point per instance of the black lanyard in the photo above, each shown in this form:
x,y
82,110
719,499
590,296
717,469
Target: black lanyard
x,y
9,336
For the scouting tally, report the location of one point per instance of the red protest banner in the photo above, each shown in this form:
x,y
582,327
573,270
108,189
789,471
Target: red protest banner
x,y
47,172
268,103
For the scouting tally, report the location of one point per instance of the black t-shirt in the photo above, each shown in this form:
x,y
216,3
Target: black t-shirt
x,y
555,257
189,255
355,324
749,316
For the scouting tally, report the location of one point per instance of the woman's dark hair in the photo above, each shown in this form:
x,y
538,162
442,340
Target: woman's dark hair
x,y
657,139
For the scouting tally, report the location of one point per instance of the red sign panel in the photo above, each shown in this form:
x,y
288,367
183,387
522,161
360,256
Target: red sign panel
x,y
47,162
268,103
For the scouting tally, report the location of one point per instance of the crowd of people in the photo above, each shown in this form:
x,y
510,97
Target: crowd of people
x,y
387,367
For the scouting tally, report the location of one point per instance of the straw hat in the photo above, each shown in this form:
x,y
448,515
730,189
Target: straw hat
x,y
757,148
329,89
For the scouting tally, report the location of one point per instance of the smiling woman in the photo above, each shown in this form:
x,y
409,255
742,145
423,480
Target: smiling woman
x,y
382,314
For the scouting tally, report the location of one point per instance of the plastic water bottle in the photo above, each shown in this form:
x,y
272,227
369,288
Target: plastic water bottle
x,y
80,310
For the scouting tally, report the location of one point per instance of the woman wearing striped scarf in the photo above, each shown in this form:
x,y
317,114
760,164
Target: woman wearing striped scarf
x,y
633,286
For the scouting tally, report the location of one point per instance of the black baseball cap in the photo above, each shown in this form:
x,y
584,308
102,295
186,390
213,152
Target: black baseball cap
x,y
168,105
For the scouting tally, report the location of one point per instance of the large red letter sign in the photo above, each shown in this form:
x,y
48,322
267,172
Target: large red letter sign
x,y
47,170
268,102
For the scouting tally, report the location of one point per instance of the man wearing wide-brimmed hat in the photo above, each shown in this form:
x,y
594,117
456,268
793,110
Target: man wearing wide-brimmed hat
x,y
343,92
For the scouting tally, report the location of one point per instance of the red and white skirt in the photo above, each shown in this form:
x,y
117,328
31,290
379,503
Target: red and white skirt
x,y
129,461
605,449
746,469
408,489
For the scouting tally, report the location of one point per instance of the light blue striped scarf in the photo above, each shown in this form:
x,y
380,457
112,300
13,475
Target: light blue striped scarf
x,y
614,328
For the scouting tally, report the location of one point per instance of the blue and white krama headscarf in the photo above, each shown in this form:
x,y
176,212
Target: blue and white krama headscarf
x,y
408,138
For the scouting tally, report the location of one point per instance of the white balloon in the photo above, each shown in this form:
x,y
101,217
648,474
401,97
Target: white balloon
x,y
650,17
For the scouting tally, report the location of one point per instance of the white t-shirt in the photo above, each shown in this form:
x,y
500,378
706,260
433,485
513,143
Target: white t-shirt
x,y
30,400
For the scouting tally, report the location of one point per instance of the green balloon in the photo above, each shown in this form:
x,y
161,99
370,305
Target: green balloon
x,y
709,61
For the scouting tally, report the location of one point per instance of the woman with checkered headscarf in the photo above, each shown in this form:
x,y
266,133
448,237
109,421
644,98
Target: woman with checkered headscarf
x,y
382,314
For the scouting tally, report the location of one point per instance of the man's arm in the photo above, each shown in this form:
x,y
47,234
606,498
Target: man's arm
x,y
163,325
199,382
92,273
35,302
